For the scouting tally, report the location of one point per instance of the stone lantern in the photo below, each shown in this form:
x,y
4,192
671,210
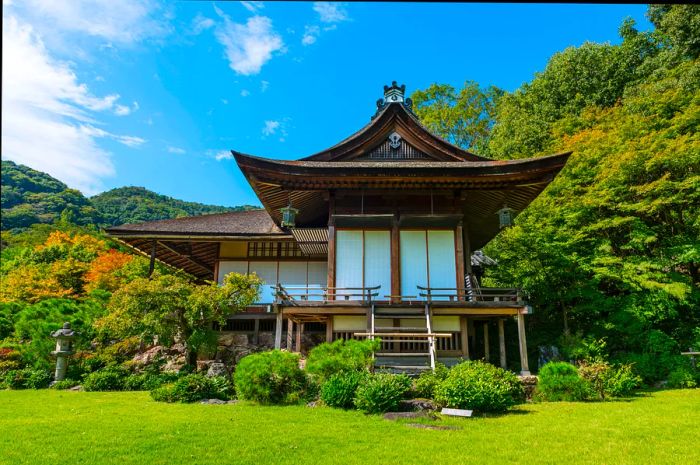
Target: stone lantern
x,y
64,348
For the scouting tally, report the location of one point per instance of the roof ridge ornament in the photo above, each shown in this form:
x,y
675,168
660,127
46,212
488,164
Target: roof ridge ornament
x,y
394,94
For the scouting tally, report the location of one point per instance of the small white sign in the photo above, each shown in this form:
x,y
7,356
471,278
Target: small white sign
x,y
456,412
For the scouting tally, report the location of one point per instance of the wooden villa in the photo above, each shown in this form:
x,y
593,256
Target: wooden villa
x,y
373,237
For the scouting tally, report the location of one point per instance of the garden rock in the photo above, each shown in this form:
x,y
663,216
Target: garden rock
x,y
217,401
76,388
417,405
314,404
434,427
403,415
217,369
530,384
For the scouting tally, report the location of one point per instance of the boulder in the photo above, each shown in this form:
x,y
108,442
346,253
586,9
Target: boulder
x,y
217,369
217,401
403,415
435,427
417,405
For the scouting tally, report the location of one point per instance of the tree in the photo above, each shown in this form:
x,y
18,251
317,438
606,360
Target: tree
x,y
464,118
167,308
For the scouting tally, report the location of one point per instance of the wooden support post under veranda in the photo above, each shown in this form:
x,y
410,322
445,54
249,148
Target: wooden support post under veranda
x,y
524,368
502,342
278,330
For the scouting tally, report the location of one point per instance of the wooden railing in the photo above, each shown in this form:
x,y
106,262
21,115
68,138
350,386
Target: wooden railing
x,y
481,294
295,294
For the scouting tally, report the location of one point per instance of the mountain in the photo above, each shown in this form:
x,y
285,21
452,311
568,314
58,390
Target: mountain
x,y
31,197
137,204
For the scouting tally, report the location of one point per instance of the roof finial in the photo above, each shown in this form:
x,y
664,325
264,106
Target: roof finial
x,y
394,94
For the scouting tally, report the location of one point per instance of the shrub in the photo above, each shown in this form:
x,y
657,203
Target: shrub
x,y
621,381
10,360
327,359
64,384
111,378
148,381
381,392
428,381
683,378
339,390
192,388
27,378
608,380
272,377
560,381
480,386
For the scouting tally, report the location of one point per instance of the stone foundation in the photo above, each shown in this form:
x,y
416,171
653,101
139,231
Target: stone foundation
x,y
530,384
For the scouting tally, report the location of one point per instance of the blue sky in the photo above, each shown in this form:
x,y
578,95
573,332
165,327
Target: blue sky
x,y
103,94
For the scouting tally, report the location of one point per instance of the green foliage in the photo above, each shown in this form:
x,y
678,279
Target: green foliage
x,y
560,381
339,390
193,388
684,377
166,306
480,386
27,378
382,392
112,378
272,377
428,381
30,197
339,356
148,381
463,117
137,204
64,384
608,380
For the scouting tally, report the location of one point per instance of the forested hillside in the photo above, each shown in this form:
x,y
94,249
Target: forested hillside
x,y
137,204
31,197
610,252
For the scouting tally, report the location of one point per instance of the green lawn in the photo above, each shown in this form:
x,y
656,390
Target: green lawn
x,y
53,427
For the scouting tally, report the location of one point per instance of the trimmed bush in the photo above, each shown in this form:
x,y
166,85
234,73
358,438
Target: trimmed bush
x,y
10,360
192,388
428,381
148,381
479,386
339,356
272,377
64,384
339,390
107,379
381,393
560,381
27,378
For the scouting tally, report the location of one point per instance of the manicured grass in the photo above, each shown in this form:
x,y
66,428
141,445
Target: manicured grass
x,y
53,427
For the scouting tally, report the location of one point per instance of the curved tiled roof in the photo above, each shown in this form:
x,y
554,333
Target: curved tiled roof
x,y
240,223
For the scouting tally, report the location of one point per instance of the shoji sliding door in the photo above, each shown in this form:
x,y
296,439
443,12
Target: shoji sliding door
x,y
377,257
427,260
363,259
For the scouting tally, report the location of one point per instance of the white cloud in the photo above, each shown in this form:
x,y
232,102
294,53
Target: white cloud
x,y
264,85
122,21
224,101
253,6
121,110
245,93
248,46
176,150
201,23
48,121
310,35
222,155
331,12
270,127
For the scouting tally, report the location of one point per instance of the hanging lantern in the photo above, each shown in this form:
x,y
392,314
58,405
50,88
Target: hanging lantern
x,y
289,215
505,217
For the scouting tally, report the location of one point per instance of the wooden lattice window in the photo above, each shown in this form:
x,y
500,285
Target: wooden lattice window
x,y
274,250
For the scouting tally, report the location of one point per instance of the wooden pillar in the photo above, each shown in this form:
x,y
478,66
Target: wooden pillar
x,y
459,257
464,334
152,263
300,331
524,368
487,351
278,330
395,261
256,331
331,261
290,334
396,345
329,329
502,342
